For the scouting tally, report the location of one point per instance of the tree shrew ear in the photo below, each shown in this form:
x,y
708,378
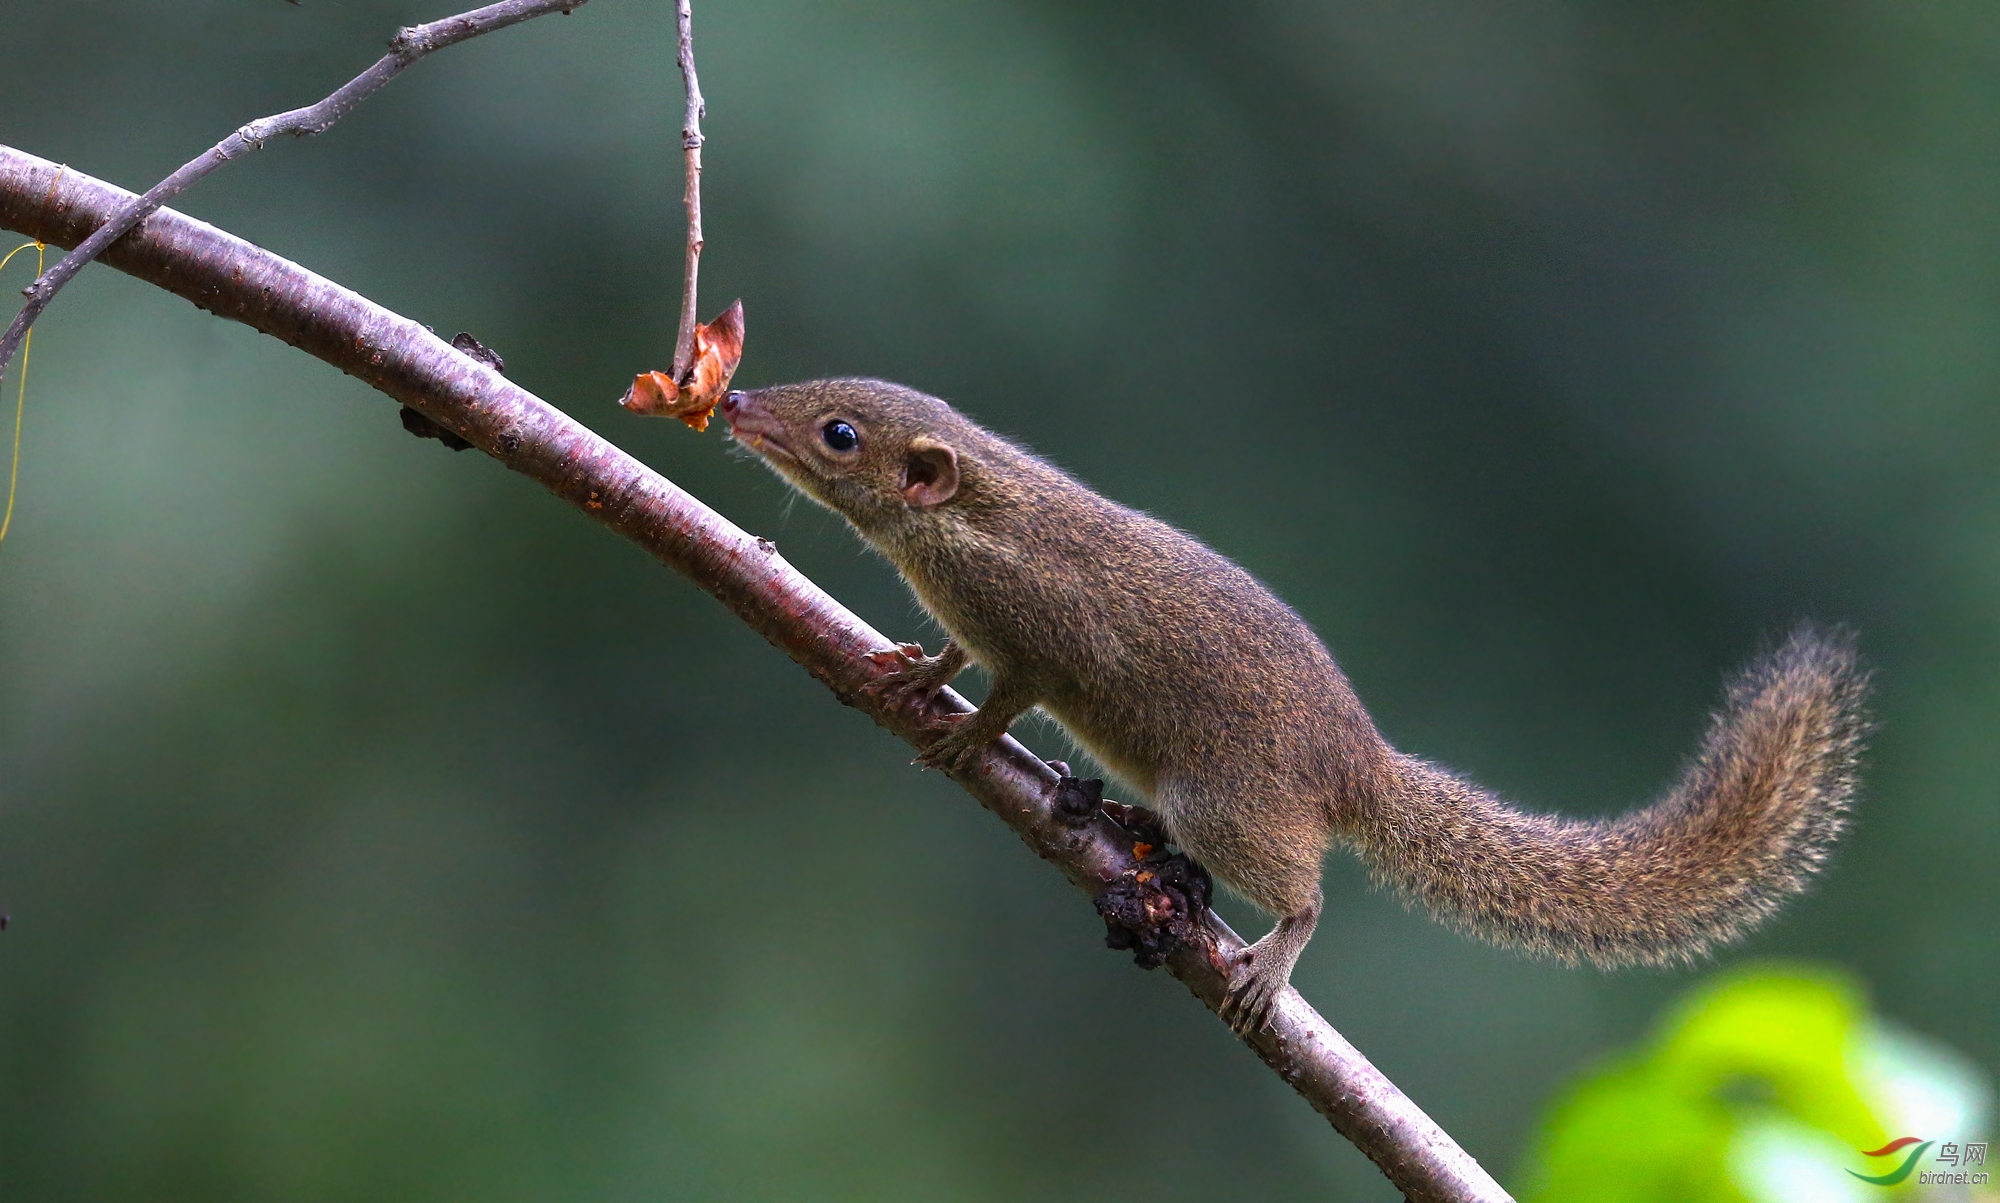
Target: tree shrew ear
x,y
930,473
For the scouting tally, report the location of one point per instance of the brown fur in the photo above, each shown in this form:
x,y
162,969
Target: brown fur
x,y
1189,680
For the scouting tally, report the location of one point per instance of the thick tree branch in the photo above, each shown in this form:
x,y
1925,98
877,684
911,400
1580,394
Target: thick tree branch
x,y
405,48
233,279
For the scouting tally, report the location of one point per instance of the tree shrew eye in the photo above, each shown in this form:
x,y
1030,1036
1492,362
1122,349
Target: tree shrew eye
x,y
840,436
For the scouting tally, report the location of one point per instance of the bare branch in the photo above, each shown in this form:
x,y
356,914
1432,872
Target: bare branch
x,y
690,144
408,46
465,396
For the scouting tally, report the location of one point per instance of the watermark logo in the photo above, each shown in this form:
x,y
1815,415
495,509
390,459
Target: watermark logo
x,y
1900,1172
1949,1153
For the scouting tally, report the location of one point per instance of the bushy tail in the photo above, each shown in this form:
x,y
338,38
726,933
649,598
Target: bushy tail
x,y
1751,820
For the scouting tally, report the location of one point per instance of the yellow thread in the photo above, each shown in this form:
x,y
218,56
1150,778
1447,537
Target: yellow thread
x,y
20,398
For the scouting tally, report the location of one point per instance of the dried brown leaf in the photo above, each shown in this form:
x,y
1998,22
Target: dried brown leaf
x,y
718,349
651,393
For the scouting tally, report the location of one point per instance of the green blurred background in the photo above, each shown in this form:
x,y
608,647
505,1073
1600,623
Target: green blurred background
x,y
372,827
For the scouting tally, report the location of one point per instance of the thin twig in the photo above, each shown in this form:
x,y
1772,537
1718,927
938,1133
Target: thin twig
x,y
233,279
691,144
408,46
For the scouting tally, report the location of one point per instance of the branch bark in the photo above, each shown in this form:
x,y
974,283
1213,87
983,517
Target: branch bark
x,y
233,279
408,46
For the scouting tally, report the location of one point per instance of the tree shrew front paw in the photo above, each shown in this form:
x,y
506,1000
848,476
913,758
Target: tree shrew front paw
x,y
916,679
956,748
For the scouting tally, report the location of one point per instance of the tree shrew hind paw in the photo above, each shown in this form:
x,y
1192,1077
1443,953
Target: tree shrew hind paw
x,y
1247,1006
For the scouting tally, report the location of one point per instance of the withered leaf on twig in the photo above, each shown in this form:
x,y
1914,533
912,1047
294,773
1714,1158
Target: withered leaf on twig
x,y
718,348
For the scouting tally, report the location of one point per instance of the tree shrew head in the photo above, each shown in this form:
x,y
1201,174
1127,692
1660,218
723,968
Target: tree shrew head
x,y
877,453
